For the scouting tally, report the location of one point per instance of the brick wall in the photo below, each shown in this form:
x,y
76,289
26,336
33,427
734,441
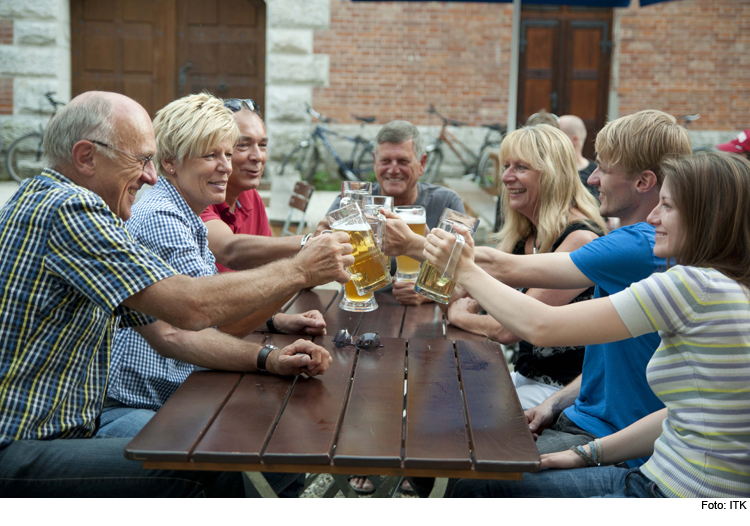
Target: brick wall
x,y
6,31
6,96
392,60
690,56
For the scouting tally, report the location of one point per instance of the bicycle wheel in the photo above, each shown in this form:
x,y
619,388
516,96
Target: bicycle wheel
x,y
303,159
364,166
432,168
24,158
486,167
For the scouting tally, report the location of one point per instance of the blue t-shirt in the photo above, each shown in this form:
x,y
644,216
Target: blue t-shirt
x,y
614,391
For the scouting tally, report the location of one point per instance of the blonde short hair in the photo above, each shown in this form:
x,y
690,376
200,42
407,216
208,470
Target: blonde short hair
x,y
191,127
641,141
550,152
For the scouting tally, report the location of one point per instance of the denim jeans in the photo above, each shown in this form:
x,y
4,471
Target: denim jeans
x,y
97,468
120,421
608,482
562,435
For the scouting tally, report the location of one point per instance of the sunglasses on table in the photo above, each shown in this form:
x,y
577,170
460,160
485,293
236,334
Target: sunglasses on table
x,y
366,342
236,104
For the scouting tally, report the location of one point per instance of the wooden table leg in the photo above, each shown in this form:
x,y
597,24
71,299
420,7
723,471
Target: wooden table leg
x,y
261,484
438,489
341,482
388,487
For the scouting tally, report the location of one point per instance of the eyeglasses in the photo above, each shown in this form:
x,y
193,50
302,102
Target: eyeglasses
x,y
236,104
366,342
145,160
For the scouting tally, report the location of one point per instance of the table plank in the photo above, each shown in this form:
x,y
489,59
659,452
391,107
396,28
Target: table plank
x,y
497,426
312,299
337,319
242,427
387,319
307,428
454,333
435,432
371,429
423,321
178,425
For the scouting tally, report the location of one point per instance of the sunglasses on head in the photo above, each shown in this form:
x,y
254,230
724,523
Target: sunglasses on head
x,y
366,342
236,104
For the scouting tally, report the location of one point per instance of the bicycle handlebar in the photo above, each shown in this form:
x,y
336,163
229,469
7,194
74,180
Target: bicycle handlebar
x,y
320,117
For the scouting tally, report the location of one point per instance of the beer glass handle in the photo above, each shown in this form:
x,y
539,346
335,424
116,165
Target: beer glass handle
x,y
458,247
345,201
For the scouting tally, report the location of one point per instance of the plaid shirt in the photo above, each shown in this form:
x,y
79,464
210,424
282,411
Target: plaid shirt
x,y
163,222
66,264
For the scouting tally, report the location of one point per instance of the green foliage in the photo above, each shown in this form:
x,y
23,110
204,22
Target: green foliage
x,y
323,181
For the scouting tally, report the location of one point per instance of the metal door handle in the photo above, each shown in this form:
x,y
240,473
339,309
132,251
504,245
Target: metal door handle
x,y
182,76
553,100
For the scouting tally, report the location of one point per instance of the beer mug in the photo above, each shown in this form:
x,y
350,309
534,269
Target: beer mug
x,y
436,285
368,272
407,269
354,192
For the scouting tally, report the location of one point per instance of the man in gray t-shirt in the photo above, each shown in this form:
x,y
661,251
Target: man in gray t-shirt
x,y
399,162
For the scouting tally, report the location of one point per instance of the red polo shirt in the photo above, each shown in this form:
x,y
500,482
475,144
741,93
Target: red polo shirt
x,y
249,217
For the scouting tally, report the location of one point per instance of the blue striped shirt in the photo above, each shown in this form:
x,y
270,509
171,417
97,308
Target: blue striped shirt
x,y
162,222
66,265
701,371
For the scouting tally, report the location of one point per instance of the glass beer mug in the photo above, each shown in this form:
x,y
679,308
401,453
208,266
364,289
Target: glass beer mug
x,y
354,192
369,272
373,204
416,217
436,285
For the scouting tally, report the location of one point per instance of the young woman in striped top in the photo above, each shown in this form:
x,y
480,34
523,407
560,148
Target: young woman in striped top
x,y
701,371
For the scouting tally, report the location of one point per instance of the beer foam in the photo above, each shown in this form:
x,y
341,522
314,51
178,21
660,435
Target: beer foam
x,y
413,219
356,227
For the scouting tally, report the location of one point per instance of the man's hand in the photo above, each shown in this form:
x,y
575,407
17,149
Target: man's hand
x,y
310,323
399,238
540,418
562,460
325,258
323,225
302,356
403,291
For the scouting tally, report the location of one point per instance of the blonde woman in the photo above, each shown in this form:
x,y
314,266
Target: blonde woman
x,y
547,209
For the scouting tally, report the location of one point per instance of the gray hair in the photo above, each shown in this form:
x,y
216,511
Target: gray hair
x,y
88,119
397,132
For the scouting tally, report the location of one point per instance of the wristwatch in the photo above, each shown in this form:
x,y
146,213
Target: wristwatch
x,y
304,240
263,356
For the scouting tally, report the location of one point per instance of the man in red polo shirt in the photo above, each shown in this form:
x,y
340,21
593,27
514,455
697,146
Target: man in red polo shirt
x,y
243,211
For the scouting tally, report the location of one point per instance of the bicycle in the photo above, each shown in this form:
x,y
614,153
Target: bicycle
x,y
24,156
481,165
304,158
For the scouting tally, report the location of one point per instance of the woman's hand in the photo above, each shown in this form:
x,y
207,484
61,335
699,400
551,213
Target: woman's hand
x,y
439,245
562,460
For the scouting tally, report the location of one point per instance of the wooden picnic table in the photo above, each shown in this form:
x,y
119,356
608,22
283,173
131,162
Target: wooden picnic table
x,y
423,405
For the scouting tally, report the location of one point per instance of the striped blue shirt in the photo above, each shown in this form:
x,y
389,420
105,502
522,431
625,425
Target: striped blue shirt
x,y
162,222
66,265
701,371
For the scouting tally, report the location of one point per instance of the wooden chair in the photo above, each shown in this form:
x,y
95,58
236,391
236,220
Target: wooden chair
x,y
299,200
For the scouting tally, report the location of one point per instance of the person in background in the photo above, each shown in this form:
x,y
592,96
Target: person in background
x,y
78,276
239,235
546,210
701,307
575,129
740,145
543,117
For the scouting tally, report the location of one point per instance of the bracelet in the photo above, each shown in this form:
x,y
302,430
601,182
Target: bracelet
x,y
595,457
304,240
271,328
263,356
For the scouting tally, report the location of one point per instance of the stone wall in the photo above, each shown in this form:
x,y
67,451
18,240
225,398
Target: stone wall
x,y
34,59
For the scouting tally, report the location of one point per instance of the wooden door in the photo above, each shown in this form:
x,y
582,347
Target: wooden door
x,y
565,65
221,48
138,47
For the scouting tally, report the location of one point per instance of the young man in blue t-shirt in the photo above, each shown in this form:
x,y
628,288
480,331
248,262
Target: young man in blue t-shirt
x,y
612,392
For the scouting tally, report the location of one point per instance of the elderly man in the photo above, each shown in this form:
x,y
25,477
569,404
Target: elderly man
x,y
74,275
574,128
399,162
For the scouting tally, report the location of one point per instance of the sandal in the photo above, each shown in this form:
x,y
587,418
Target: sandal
x,y
360,491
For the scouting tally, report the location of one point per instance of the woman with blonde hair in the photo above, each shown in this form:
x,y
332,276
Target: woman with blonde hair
x,y
701,309
547,209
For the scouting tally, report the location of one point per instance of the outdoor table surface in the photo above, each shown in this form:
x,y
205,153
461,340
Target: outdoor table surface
x,y
462,415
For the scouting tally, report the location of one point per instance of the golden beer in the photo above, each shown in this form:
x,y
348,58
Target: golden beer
x,y
368,272
408,268
350,291
438,288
